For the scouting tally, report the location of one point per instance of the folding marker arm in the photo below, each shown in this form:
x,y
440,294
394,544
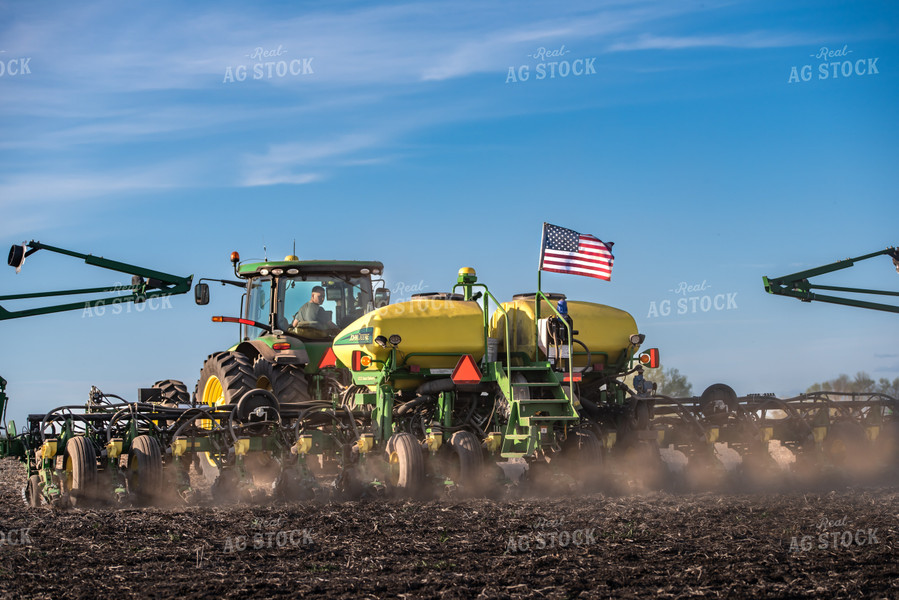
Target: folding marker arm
x,y
145,283
797,285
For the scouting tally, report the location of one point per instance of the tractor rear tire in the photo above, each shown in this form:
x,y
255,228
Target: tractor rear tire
x,y
144,477
407,464
174,392
81,471
467,460
224,378
287,382
33,493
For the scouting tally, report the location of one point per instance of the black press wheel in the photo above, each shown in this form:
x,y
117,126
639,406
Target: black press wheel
x,y
144,477
407,464
81,471
466,460
34,496
583,459
846,443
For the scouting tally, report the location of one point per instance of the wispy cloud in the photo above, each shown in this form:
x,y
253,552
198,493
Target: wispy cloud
x,y
108,86
58,197
291,163
753,40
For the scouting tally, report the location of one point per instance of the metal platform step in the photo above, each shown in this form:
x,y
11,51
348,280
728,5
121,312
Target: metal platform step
x,y
536,384
544,401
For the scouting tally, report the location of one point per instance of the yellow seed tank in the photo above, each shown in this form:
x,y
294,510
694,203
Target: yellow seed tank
x,y
603,329
445,327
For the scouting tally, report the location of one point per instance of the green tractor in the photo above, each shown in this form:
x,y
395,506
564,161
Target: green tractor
x,y
291,313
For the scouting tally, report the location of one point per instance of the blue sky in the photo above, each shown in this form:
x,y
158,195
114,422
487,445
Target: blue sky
x,y
398,136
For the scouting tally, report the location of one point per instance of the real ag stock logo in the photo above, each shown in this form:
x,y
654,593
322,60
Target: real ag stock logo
x,y
263,68
833,64
548,67
691,299
13,67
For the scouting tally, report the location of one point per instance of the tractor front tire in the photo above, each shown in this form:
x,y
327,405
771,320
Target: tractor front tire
x,y
174,392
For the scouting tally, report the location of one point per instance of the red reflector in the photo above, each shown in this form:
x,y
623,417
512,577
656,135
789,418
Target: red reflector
x,y
650,358
357,360
281,346
233,320
328,360
414,369
466,371
577,377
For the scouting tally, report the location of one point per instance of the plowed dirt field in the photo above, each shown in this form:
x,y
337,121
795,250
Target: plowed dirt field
x,y
800,544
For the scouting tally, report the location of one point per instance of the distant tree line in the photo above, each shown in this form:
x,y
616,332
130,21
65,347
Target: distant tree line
x,y
670,382
862,382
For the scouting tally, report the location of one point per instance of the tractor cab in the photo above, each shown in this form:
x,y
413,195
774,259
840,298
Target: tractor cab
x,y
274,323
336,292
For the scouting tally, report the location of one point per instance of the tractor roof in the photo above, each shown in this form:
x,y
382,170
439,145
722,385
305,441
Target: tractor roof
x,y
309,267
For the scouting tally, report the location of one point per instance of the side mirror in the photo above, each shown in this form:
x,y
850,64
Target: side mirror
x,y
201,294
382,297
16,257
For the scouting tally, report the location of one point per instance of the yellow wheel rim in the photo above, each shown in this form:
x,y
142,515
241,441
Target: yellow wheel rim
x,y
69,476
394,467
213,395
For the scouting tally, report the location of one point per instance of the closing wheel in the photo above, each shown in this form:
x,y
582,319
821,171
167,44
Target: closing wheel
x,y
887,444
466,460
144,476
224,378
34,496
846,443
583,459
406,463
224,489
81,471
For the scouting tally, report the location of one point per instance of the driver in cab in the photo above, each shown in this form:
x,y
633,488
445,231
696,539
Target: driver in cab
x,y
312,314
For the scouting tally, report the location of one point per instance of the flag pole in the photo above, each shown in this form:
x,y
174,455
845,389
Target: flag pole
x,y
539,291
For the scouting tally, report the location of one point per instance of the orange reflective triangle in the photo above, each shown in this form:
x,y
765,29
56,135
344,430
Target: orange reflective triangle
x,y
328,360
466,371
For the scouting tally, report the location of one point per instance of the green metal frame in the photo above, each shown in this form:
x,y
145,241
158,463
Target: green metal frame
x,y
165,284
797,285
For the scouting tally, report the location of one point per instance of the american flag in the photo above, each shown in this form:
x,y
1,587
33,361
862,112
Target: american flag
x,y
567,251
